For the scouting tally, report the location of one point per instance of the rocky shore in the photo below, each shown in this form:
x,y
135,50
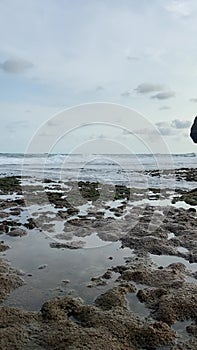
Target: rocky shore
x,y
157,226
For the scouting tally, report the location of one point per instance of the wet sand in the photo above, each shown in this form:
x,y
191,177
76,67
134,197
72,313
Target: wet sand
x,y
91,266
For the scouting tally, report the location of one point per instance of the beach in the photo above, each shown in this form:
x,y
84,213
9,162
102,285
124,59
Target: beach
x,y
98,254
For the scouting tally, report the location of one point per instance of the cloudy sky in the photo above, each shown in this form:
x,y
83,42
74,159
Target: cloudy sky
x,y
56,54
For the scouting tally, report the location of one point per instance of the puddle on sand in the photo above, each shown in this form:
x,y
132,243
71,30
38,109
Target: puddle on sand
x,y
180,328
10,197
190,279
91,241
78,266
182,250
135,306
165,260
163,203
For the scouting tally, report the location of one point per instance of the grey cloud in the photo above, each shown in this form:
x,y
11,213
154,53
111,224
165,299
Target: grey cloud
x,y
101,137
180,124
51,123
165,128
16,66
44,134
125,94
132,58
163,108
12,127
166,131
169,128
126,132
164,95
162,124
193,99
146,88
99,88
144,131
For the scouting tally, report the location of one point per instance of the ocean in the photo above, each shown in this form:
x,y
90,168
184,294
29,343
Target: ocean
x,y
128,169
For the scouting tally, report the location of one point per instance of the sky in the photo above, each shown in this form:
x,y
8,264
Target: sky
x,y
57,54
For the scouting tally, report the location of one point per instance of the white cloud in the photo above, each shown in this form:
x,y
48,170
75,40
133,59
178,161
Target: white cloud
x,y
179,8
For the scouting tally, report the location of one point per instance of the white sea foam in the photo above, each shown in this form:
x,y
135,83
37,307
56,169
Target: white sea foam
x,y
117,169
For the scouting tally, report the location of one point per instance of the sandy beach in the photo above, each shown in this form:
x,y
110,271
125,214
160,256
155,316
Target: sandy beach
x,y
112,268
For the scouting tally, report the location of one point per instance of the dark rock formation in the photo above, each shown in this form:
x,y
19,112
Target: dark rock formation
x,y
193,132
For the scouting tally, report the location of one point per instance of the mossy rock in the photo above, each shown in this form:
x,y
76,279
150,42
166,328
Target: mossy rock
x,y
189,197
10,184
89,190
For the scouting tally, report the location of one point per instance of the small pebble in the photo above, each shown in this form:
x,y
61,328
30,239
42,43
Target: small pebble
x,y
66,281
41,267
